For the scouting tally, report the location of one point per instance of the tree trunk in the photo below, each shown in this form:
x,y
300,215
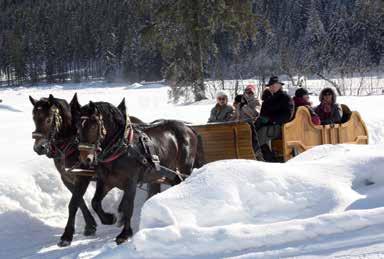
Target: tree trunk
x,y
197,55
331,82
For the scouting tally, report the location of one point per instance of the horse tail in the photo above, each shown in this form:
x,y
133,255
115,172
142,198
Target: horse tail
x,y
199,159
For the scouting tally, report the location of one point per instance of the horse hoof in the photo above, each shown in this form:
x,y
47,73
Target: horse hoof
x,y
64,243
120,240
89,231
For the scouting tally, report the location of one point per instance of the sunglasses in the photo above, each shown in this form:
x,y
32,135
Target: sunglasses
x,y
221,98
248,92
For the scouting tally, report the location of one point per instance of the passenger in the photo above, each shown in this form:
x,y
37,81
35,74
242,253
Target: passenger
x,y
328,110
302,99
275,111
248,109
246,106
222,111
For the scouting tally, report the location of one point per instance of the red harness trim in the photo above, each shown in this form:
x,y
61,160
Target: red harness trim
x,y
64,148
118,154
113,157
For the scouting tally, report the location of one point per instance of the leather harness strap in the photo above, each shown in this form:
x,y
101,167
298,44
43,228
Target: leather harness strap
x,y
148,158
145,155
149,150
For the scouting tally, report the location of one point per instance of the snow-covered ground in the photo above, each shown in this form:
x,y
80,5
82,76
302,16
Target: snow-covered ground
x,y
326,202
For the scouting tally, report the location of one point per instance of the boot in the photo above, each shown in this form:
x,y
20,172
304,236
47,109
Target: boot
x,y
268,155
259,156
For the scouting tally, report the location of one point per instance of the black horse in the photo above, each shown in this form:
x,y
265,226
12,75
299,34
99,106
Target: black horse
x,y
125,155
56,137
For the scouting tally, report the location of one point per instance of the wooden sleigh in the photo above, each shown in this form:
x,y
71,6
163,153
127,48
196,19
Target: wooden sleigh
x,y
234,140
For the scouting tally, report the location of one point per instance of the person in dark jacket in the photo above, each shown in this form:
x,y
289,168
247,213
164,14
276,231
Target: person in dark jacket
x,y
275,111
266,94
328,110
222,112
302,99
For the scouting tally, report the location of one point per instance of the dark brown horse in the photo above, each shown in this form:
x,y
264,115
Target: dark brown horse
x,y
121,159
56,137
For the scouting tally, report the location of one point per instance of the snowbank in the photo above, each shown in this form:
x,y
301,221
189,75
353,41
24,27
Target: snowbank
x,y
232,206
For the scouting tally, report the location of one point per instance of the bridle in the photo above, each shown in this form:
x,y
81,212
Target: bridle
x,y
50,145
93,150
116,147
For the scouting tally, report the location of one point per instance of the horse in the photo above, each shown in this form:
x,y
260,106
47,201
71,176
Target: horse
x,y
125,155
56,137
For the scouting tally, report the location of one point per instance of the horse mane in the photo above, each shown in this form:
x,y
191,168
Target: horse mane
x,y
113,119
111,115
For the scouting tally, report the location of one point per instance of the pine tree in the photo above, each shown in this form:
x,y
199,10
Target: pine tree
x,y
186,31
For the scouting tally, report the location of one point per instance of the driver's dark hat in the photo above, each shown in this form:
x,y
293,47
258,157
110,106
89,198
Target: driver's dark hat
x,y
273,80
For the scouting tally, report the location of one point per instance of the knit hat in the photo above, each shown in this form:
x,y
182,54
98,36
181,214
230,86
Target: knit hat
x,y
300,92
221,94
251,87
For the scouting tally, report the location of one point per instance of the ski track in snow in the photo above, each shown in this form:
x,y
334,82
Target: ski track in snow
x,y
319,204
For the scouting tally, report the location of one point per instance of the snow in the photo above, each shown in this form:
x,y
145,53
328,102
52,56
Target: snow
x,y
325,202
227,207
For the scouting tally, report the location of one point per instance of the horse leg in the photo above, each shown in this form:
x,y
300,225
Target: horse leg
x,y
126,208
101,191
90,223
80,187
153,189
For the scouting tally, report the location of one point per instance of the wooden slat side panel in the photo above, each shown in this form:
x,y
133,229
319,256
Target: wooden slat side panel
x,y
226,141
354,131
301,130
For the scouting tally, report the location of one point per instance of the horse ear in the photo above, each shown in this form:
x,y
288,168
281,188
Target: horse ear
x,y
33,101
75,105
92,107
51,99
122,107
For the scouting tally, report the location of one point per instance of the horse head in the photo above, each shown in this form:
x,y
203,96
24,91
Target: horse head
x,y
101,124
53,121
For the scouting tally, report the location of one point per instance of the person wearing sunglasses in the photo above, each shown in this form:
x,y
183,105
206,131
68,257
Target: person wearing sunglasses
x,y
221,112
328,110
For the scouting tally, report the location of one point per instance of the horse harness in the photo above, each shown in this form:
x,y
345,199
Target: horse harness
x,y
143,151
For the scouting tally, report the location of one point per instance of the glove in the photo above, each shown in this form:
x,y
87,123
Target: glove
x,y
264,120
260,122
